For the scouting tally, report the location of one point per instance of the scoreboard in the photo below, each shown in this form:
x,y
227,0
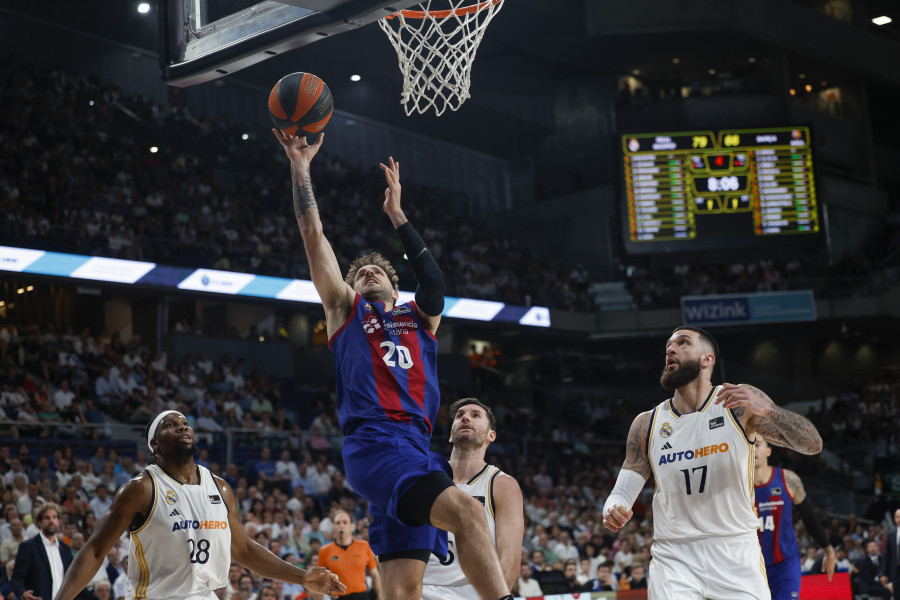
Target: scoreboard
x,y
675,182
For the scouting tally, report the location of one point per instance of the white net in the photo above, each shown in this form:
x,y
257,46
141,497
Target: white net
x,y
436,49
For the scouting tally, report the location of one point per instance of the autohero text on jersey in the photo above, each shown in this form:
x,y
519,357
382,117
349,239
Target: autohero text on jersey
x,y
673,457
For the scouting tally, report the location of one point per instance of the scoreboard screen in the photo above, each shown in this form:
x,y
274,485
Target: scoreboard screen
x,y
678,186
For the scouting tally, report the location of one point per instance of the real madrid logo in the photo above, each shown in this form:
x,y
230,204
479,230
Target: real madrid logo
x,y
665,430
171,497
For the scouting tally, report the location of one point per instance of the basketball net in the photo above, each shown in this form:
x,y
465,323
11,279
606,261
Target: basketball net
x,y
436,49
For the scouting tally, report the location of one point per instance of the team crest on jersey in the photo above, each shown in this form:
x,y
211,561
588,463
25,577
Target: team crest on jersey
x,y
371,324
717,422
400,310
367,307
665,430
171,497
775,491
215,499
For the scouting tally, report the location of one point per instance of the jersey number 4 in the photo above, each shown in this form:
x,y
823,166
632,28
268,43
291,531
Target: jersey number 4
x,y
687,479
404,356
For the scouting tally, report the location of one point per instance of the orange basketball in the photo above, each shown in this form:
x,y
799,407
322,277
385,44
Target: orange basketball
x,y
300,104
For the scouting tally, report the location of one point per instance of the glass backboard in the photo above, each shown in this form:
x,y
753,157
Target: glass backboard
x,y
201,40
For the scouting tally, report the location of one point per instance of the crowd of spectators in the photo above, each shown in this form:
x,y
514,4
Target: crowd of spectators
x,y
288,488
76,175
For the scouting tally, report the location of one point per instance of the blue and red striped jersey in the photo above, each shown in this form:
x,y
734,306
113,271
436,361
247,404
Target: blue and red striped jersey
x,y
386,367
775,508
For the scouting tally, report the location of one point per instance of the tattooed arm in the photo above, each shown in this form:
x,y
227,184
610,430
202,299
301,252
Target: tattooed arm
x,y
337,296
759,414
634,473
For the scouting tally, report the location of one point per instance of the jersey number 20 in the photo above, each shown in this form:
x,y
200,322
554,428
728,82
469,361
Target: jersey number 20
x,y
404,356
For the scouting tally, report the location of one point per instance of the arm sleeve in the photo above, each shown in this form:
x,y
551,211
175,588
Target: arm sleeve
x,y
813,525
431,287
628,485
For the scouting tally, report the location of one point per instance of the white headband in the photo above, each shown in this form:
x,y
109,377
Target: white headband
x,y
152,431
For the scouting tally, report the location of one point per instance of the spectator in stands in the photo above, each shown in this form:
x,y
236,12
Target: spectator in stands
x,y
102,501
526,585
10,545
25,503
603,582
869,573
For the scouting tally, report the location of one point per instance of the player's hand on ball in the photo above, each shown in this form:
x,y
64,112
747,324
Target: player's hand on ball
x,y
616,518
297,148
322,581
752,399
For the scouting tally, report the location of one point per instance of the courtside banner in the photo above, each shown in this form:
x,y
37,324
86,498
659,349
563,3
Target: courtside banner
x,y
743,309
131,272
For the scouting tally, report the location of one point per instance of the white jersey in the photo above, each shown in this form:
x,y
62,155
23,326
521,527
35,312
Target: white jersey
x,y
447,573
703,466
183,549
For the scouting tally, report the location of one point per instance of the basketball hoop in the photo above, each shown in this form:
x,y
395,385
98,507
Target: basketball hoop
x,y
436,49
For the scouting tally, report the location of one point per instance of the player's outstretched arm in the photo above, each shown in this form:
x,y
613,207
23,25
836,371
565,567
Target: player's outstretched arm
x,y
260,560
509,517
337,296
761,415
431,287
132,499
812,523
632,476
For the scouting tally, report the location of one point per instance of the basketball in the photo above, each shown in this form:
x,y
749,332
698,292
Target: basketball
x,y
300,104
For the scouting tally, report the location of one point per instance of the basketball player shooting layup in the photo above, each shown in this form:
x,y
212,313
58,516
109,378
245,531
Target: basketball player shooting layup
x,y
472,431
184,526
388,396
699,447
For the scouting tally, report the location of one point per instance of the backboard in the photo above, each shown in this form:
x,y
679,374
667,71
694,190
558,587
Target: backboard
x,y
201,40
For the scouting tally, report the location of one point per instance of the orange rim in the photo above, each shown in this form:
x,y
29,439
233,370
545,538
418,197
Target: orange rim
x,y
443,14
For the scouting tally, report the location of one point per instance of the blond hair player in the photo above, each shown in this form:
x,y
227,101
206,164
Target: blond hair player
x,y
698,445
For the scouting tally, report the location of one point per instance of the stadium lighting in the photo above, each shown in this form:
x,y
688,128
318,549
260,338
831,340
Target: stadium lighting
x,y
807,87
153,149
20,291
91,103
355,77
792,92
883,20
245,136
29,288
751,59
676,60
144,7
712,71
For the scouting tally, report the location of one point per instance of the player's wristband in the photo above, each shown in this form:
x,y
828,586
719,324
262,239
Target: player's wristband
x,y
813,524
628,485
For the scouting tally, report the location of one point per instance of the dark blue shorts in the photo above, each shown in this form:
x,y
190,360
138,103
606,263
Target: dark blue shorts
x,y
382,461
784,579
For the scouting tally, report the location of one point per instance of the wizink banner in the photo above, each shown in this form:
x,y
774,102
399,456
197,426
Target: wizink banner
x,y
742,309
130,272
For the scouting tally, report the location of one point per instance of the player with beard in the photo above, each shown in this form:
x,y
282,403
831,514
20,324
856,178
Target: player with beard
x,y
698,445
388,395
473,430
184,528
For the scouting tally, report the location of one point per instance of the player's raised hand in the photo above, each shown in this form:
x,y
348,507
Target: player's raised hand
x,y
322,581
617,517
296,147
392,192
752,399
